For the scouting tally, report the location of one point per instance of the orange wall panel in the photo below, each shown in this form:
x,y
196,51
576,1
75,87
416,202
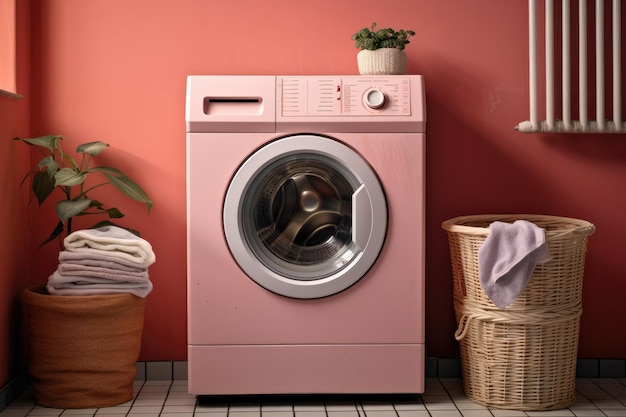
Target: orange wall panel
x,y
16,255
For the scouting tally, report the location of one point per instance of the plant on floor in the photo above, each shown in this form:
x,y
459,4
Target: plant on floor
x,y
59,170
372,39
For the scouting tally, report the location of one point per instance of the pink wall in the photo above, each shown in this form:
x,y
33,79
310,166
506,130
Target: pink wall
x,y
115,70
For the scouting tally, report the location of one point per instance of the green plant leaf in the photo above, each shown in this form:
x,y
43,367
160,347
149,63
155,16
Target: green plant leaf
x,y
67,209
114,213
43,186
55,233
58,169
110,223
125,185
49,164
96,204
92,148
50,142
372,39
69,159
128,187
69,177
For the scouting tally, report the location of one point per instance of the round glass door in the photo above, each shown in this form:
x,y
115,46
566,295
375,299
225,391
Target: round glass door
x,y
305,216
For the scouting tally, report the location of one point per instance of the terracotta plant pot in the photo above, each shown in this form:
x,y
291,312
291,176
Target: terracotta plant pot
x,y
383,61
83,350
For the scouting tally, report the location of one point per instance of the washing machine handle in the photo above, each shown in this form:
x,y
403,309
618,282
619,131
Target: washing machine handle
x,y
361,217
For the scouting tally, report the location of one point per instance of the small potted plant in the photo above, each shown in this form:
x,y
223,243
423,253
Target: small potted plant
x,y
382,50
83,349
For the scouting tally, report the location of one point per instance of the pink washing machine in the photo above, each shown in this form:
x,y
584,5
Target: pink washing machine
x,y
305,234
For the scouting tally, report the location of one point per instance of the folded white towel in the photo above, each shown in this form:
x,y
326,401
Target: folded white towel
x,y
76,285
508,257
100,259
112,241
120,275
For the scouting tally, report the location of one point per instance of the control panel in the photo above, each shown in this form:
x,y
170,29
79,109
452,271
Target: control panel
x,y
345,96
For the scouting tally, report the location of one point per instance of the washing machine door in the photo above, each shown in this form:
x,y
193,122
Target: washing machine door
x,y
305,216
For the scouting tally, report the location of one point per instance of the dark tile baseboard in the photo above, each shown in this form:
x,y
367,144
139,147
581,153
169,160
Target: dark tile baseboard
x,y
435,368
585,368
13,389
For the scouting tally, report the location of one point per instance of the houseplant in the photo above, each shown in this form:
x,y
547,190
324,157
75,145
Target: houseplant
x,y
82,348
382,50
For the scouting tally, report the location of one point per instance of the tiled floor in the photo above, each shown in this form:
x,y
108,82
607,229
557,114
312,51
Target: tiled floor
x,y
603,397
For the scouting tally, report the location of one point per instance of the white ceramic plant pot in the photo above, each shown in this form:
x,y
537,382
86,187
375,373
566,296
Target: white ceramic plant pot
x,y
383,61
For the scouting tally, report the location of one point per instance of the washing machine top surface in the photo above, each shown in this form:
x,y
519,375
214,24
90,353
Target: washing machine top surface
x,y
393,103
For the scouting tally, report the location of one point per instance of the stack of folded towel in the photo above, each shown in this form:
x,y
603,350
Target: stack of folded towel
x,y
106,260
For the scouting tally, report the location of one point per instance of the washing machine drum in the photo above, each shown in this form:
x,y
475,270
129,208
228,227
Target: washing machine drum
x,y
305,216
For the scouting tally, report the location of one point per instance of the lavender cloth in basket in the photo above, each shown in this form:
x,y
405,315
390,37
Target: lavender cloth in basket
x,y
112,242
508,257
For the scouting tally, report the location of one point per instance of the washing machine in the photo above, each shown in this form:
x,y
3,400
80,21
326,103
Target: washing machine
x,y
305,234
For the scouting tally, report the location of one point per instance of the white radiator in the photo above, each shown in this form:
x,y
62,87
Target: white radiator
x,y
599,122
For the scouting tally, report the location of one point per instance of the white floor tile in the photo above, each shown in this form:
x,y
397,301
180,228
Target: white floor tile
x,y
79,414
445,413
246,408
80,411
380,413
180,395
476,413
148,402
187,400
272,407
13,412
309,413
43,411
346,413
277,413
611,413
150,409
108,415
170,409
608,404
465,404
211,412
603,397
240,413
506,413
309,407
212,408
438,403
413,413
180,387
176,414
117,411
341,406
588,413
550,413
376,406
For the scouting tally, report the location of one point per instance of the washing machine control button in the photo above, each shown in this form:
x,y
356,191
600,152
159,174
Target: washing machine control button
x,y
375,98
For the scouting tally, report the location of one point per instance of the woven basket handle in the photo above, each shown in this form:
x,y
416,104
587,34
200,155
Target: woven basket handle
x,y
461,330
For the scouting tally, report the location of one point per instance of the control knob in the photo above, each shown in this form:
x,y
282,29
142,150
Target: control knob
x,y
375,98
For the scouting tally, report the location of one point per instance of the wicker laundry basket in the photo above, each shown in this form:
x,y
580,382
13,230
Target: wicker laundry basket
x,y
83,349
523,356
